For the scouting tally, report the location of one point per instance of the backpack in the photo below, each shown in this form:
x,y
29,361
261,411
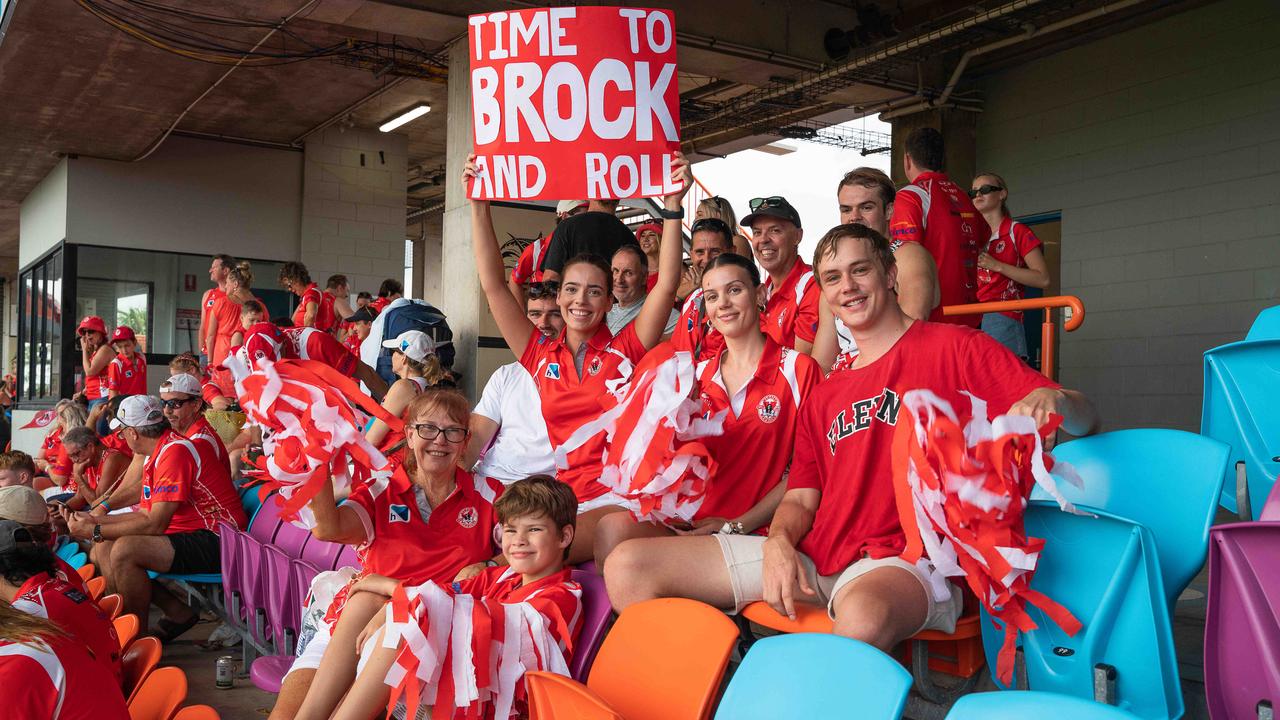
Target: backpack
x,y
421,316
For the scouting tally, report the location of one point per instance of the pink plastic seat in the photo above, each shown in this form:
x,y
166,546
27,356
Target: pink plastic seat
x,y
1242,620
596,611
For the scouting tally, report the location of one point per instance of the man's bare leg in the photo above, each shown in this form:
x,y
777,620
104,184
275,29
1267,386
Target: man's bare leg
x,y
292,692
583,547
881,608
689,567
131,558
616,528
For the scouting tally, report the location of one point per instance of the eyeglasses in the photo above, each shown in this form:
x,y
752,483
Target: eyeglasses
x,y
714,224
429,432
175,404
984,190
771,201
545,289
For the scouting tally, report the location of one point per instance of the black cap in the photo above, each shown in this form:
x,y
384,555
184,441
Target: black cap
x,y
364,314
776,206
14,535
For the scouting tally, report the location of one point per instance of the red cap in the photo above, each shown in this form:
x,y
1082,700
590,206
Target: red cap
x,y
649,226
124,332
92,322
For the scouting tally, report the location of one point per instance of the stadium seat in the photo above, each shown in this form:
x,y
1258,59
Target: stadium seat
x,y
1266,326
556,697
78,561
67,550
86,571
815,676
138,661
596,612
321,554
1029,704
110,604
197,712
1105,571
346,558
127,626
96,586
267,672
1129,473
282,610
663,659
159,695
1241,633
1239,409
245,564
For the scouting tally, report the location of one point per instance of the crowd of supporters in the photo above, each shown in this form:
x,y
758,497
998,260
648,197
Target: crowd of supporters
x,y
804,363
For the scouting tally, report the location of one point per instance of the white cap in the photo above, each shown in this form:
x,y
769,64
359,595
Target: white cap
x,y
567,206
415,344
137,411
181,383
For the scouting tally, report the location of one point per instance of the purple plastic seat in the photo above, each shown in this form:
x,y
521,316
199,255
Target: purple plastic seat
x,y
346,558
241,566
282,610
290,538
596,611
321,554
1242,621
301,574
267,672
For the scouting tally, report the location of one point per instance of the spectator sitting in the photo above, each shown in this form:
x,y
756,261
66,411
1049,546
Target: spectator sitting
x,y
295,278
508,440
127,373
630,274
790,314
29,582
95,468
25,506
174,529
304,343
16,468
187,364
388,292
57,465
597,231
711,237
129,490
361,321
414,361
184,409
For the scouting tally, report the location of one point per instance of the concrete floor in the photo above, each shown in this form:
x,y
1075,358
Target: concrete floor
x,y
242,701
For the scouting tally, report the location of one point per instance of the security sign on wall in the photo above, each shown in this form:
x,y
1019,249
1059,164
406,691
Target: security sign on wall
x,y
574,102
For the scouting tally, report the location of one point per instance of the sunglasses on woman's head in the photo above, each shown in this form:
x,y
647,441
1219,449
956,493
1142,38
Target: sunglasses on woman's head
x,y
984,190
715,224
544,289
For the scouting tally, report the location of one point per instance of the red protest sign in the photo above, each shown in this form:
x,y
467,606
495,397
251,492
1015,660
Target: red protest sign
x,y
574,102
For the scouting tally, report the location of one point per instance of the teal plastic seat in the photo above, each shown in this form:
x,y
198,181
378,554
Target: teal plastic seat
x,y
1030,704
77,560
1167,480
1105,571
68,550
1266,326
1240,381
815,676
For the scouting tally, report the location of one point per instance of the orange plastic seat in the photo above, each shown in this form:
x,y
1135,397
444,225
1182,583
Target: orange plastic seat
x,y
197,712
138,661
96,586
159,695
87,571
809,618
663,660
111,604
556,697
126,629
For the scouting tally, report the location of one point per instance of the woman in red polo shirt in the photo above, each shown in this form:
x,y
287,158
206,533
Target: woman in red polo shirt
x,y
430,521
761,385
295,278
577,370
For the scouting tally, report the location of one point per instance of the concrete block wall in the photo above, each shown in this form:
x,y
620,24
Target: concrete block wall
x,y
353,211
1161,148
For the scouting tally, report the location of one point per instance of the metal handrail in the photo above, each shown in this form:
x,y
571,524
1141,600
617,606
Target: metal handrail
x,y
1048,329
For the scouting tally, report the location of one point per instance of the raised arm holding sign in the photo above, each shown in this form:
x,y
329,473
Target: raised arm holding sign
x,y
574,102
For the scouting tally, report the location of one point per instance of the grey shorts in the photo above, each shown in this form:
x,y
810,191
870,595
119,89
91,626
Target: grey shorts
x,y
1007,332
744,556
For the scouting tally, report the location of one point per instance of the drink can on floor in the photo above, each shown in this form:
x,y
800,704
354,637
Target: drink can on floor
x,y
226,673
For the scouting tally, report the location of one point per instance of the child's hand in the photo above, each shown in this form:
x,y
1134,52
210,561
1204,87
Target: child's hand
x,y
469,572
371,628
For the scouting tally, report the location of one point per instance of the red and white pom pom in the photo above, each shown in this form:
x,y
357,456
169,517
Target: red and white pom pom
x,y
653,459
961,487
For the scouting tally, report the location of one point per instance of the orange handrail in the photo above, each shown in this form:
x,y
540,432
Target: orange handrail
x,y
1048,330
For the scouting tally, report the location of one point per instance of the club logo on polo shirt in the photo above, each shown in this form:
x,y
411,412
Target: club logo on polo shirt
x,y
596,366
782,317
468,517
398,513
768,408
999,246
553,371
146,492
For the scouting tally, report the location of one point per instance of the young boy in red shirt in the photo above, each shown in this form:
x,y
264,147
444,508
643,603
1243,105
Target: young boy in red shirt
x,y
538,517
127,373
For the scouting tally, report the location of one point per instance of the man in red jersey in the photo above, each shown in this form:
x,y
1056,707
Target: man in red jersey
x,y
218,271
184,409
174,529
935,212
836,539
790,314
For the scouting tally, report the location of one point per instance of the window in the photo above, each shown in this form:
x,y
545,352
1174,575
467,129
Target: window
x,y
40,329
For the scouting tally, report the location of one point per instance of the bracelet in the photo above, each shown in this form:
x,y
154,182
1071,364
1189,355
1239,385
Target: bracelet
x,y
105,505
666,214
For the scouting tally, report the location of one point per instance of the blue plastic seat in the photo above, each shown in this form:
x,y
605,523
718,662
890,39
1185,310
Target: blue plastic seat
x,y
77,560
815,676
1031,704
1266,326
1167,480
1104,570
1240,381
67,550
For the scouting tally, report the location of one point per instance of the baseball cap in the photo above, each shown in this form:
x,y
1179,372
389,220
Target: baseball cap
x,y
364,314
14,535
568,206
124,332
413,343
92,322
648,226
181,383
775,206
22,504
137,411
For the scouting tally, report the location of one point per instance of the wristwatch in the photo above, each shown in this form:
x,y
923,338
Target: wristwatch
x,y
97,533
733,527
671,214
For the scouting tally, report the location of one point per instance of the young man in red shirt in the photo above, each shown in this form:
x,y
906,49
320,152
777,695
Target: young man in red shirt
x,y
127,373
790,314
184,497
937,213
219,269
835,539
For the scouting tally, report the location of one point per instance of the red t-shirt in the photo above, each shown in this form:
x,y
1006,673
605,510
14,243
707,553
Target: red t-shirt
x,y
766,423
127,377
692,330
179,472
115,442
57,679
92,473
379,304
207,303
352,344
937,213
264,340
568,402
1010,245
75,612
326,317
529,267
207,440
791,310
846,432
95,386
52,444
313,344
311,295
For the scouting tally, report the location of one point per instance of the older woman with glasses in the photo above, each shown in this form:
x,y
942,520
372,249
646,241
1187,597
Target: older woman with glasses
x,y
1011,260
430,522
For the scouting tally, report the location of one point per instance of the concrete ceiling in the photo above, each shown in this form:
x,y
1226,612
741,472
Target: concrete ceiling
x,y
72,84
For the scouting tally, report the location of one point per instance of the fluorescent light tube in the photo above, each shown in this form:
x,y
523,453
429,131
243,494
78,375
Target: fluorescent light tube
x,y
409,115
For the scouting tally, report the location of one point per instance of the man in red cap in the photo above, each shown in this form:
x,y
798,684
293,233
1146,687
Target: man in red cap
x,y
127,373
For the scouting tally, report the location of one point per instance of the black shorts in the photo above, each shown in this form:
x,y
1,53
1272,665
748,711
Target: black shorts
x,y
195,552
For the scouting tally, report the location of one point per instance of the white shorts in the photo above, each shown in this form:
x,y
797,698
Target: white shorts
x,y
605,500
311,655
744,556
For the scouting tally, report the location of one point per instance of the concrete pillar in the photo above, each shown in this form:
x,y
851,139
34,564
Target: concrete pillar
x,y
959,132
427,236
460,295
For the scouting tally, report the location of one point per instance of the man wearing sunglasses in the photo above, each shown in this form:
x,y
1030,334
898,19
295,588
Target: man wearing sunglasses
x,y
184,409
790,315
937,213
